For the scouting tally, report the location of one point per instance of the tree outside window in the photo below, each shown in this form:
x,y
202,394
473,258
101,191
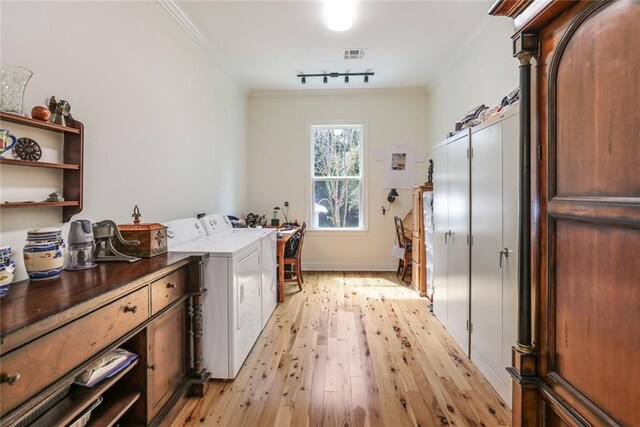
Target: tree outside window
x,y
337,177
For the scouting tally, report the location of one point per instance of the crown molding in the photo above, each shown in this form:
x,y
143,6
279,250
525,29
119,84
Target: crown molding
x,y
299,93
192,30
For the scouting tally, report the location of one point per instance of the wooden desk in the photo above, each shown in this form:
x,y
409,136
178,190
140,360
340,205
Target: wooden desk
x,y
282,241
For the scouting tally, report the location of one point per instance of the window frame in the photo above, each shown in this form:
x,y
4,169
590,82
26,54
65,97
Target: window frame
x,y
311,178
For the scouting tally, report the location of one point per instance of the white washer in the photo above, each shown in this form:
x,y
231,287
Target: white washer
x,y
216,224
232,305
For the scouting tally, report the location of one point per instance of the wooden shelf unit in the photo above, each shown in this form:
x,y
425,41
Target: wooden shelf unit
x,y
73,155
66,203
112,409
80,398
27,163
26,121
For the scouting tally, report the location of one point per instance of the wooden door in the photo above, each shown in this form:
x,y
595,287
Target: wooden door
x,y
167,357
457,241
590,211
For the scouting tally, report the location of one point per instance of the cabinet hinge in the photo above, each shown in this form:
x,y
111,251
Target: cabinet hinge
x,y
468,240
467,153
467,325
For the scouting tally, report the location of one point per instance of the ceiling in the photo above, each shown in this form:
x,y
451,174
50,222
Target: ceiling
x,y
266,43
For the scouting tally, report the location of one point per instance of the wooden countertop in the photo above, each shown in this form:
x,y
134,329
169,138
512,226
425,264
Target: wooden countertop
x,y
52,302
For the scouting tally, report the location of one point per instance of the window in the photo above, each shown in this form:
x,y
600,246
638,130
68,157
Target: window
x,y
336,177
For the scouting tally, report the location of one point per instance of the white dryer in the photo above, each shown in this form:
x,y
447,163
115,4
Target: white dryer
x,y
232,305
216,224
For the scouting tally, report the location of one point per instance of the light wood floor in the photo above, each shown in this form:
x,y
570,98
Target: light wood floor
x,y
351,349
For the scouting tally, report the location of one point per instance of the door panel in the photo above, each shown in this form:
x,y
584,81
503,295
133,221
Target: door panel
x,y
486,273
440,226
269,284
510,198
458,250
248,308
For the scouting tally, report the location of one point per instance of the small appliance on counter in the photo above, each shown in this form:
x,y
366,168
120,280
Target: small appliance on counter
x,y
43,253
82,246
7,269
152,237
104,233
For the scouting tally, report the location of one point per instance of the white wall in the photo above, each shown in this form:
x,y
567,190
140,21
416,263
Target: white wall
x,y
165,127
483,74
278,154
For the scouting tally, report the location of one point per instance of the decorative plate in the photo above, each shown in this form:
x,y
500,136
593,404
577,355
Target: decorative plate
x,y
28,149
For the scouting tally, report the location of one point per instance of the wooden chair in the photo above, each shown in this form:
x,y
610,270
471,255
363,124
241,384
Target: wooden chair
x,y
295,259
404,264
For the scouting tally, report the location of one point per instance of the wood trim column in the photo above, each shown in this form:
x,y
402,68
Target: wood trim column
x,y
524,356
199,375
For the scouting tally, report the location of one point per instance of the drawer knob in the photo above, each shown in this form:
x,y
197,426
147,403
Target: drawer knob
x,y
10,379
171,285
152,367
131,309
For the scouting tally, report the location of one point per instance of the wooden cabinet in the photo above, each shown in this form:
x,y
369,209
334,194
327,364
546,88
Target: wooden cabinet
x,y
576,357
53,331
418,240
71,166
166,357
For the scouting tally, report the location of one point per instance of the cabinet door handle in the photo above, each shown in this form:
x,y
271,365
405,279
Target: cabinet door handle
x,y
171,285
130,309
152,367
504,252
448,233
10,379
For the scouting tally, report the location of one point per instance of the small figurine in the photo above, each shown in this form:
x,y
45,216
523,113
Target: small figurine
x,y
56,196
430,171
60,111
136,215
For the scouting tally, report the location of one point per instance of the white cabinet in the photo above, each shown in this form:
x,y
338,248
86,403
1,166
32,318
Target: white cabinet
x,y
475,243
494,264
451,234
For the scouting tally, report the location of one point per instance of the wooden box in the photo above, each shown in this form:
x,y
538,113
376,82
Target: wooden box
x,y
152,237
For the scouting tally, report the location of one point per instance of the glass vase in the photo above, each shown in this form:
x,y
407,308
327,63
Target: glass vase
x,y
13,82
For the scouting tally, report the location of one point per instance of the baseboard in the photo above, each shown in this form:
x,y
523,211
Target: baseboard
x,y
491,376
348,267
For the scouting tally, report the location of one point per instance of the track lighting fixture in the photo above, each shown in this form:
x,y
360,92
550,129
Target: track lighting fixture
x,y
325,76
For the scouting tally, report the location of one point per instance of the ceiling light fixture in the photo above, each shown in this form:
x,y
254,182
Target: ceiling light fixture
x,y
325,76
339,14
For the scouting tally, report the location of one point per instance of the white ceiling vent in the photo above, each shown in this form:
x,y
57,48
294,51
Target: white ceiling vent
x,y
354,53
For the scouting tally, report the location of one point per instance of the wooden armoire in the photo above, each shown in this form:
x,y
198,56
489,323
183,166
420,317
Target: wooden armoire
x,y
577,357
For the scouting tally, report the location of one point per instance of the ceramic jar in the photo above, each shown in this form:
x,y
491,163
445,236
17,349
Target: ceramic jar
x,y
44,253
7,269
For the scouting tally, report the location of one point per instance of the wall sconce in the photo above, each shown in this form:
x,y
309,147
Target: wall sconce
x,y
392,195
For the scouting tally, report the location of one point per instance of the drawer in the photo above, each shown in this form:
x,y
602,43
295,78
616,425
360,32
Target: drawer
x,y
168,289
47,359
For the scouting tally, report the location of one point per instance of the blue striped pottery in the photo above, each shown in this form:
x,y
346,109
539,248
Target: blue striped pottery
x,y
7,271
44,254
